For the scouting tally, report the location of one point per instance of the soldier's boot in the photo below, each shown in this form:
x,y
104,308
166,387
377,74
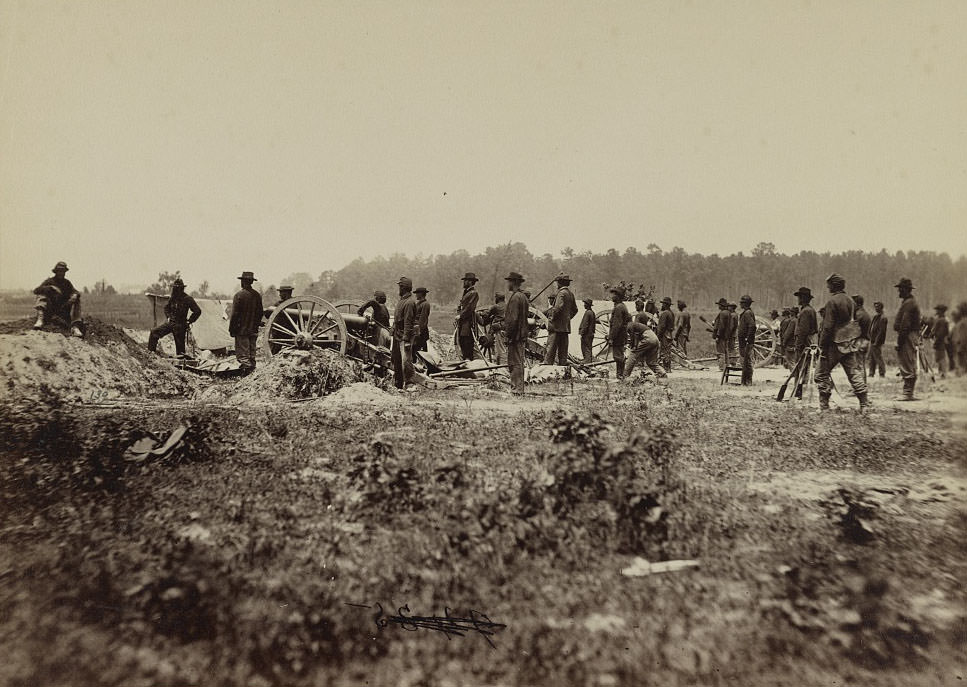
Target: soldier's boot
x,y
824,401
40,319
621,369
864,401
908,385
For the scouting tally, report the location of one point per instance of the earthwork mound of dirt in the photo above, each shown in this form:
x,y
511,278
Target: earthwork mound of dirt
x,y
105,364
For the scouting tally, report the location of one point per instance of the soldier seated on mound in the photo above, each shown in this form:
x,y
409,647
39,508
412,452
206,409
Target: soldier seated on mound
x,y
57,299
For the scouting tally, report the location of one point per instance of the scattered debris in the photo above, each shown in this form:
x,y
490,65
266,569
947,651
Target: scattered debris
x,y
151,446
640,567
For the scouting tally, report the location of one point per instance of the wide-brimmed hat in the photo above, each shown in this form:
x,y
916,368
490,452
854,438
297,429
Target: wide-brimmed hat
x,y
618,290
746,299
666,300
514,276
588,301
248,275
733,305
940,308
405,281
471,276
420,289
721,301
682,303
904,283
563,277
178,282
285,287
60,266
804,291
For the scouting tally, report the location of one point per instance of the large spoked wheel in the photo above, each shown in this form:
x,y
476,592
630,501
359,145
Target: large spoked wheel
x,y
535,349
348,307
305,323
600,347
764,349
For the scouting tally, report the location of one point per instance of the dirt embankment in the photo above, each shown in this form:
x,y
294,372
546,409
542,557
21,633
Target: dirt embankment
x,y
105,364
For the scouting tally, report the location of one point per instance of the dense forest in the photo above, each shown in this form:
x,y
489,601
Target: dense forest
x,y
769,277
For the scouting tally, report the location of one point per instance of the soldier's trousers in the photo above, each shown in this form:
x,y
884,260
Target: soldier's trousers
x,y
500,348
515,360
722,351
852,365
556,348
682,342
70,312
745,353
665,352
245,350
466,347
940,356
876,360
179,331
402,369
646,352
587,348
618,353
907,358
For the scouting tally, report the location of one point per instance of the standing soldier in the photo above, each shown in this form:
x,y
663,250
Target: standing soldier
x,y
665,330
618,329
244,324
745,334
940,333
378,304
958,338
877,339
838,344
548,351
733,333
787,330
586,330
865,322
645,350
806,323
907,327
683,326
57,297
422,313
467,316
404,331
562,312
177,321
720,332
493,321
515,329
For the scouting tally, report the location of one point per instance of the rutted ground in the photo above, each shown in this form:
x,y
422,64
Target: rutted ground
x,y
830,547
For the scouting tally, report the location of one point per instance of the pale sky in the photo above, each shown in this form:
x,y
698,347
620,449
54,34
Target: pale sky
x,y
278,137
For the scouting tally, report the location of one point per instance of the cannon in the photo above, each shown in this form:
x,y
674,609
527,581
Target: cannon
x,y
305,323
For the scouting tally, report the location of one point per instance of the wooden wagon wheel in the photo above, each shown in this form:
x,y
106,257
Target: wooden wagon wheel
x,y
305,323
535,348
764,349
600,348
348,307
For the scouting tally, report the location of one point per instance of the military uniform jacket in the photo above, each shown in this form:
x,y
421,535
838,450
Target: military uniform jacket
x,y
495,316
380,312
806,327
246,313
721,325
564,310
666,324
865,321
404,319
733,324
642,334
907,319
176,309
467,312
586,328
63,285
515,317
746,328
618,326
422,311
839,311
878,330
939,332
683,324
787,330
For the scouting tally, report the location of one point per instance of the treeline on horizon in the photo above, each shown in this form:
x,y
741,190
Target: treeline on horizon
x,y
769,277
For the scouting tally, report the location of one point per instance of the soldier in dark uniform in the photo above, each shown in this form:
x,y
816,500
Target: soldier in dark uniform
x,y
515,330
562,312
646,350
940,333
618,329
877,339
467,316
244,324
806,323
838,339
958,338
378,304
177,321
665,330
733,333
745,335
683,326
404,331
865,321
422,308
57,298
907,327
586,330
285,293
493,321
720,332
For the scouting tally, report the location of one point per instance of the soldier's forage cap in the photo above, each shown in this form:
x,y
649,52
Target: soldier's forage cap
x,y
786,311
514,276
563,278
60,266
804,291
379,294
940,308
405,281
733,305
835,278
904,283
877,304
588,301
285,288
471,276
178,282
618,290
248,275
682,303
666,300
420,289
721,301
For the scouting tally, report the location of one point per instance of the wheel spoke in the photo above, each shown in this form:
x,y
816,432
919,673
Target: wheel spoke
x,y
294,325
302,321
320,321
277,326
283,342
318,334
